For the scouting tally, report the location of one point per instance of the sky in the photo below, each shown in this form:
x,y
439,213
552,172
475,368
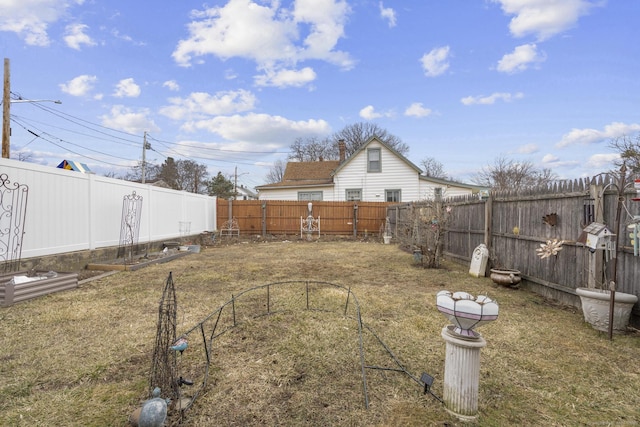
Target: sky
x,y
232,84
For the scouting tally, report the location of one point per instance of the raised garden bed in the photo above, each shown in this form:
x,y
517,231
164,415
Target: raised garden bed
x,y
26,285
138,263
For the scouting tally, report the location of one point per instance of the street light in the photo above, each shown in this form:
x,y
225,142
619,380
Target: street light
x,y
6,103
16,101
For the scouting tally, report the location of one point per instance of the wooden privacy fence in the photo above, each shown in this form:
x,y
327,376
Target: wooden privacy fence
x,y
513,225
282,217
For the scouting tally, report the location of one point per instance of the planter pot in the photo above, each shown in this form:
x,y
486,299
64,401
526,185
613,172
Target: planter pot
x,y
505,276
595,307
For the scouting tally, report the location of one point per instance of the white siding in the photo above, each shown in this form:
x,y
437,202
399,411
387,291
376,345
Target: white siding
x,y
292,193
395,174
427,190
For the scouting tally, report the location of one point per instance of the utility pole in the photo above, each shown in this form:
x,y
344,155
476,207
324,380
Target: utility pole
x,y
6,102
6,113
235,183
145,146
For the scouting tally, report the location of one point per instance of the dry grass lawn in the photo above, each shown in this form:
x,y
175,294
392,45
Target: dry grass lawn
x,y
83,357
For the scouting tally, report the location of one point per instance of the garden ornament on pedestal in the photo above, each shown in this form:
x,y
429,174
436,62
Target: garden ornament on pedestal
x,y
463,345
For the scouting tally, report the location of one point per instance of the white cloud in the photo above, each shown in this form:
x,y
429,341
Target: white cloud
x,y
267,33
79,86
128,120
417,110
369,113
435,62
543,18
172,85
269,129
75,36
388,14
602,161
520,59
491,99
127,88
528,149
201,104
551,161
117,34
285,78
594,136
30,19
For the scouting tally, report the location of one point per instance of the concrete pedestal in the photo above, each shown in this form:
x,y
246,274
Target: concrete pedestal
x,y
461,374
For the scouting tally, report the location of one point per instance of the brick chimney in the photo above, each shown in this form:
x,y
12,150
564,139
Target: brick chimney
x,y
342,148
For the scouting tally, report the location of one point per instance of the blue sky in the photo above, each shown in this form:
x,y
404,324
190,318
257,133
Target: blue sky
x,y
231,84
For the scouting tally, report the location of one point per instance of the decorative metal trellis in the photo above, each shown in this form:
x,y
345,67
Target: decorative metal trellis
x,y
13,211
163,365
229,315
130,225
310,225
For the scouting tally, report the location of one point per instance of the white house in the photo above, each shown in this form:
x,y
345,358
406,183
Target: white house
x,y
374,173
243,193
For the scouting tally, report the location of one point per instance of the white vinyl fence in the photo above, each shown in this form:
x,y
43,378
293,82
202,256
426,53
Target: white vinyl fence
x,y
70,211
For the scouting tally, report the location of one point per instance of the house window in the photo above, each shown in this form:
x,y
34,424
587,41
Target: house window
x,y
373,160
437,193
309,195
392,195
353,194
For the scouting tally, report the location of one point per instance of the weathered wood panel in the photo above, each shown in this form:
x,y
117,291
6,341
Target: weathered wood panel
x,y
282,217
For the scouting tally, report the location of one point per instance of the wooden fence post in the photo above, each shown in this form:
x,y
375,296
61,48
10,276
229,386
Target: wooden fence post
x,y
488,228
355,220
596,263
264,218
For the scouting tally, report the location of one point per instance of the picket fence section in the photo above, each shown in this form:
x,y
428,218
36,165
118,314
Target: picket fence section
x,y
282,217
70,211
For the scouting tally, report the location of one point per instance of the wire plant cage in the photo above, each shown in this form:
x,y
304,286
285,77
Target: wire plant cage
x,y
13,211
130,225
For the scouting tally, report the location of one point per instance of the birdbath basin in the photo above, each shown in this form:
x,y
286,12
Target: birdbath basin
x,y
466,312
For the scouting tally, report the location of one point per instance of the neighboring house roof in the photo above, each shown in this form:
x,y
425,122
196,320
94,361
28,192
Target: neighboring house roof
x,y
74,166
305,174
473,188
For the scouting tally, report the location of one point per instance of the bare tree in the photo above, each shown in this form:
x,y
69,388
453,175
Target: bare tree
x,y
192,176
354,136
311,150
276,173
185,175
433,168
629,150
24,156
507,174
151,172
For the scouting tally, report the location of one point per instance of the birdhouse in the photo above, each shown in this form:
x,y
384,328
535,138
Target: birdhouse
x,y
596,236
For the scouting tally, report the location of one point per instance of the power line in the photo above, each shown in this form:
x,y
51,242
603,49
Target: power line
x,y
46,137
